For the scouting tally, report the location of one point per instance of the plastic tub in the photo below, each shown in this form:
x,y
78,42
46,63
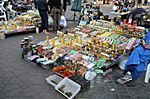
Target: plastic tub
x,y
68,86
53,80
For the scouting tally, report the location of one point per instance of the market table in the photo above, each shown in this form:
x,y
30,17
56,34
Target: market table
x,y
93,48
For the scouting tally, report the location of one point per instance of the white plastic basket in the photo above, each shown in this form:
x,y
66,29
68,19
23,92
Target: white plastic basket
x,y
70,86
52,78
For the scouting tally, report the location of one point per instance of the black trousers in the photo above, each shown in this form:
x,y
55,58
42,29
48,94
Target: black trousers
x,y
130,69
44,19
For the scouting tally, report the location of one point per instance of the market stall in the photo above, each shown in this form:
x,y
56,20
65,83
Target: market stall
x,y
84,50
22,23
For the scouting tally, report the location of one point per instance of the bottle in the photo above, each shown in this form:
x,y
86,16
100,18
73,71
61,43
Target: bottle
x,y
101,43
77,39
37,30
59,39
63,40
91,76
47,40
70,43
53,42
81,41
113,47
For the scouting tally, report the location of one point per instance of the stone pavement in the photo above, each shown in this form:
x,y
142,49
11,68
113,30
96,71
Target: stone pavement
x,y
20,79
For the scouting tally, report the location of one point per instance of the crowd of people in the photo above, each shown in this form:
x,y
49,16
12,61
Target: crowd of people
x,y
125,5
53,8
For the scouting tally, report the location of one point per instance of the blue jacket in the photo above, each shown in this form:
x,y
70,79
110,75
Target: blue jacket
x,y
140,56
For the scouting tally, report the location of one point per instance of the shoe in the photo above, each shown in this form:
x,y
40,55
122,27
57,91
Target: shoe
x,y
124,79
45,32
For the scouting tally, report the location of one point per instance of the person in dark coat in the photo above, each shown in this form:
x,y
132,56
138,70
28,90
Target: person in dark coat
x,y
55,3
43,11
65,5
35,3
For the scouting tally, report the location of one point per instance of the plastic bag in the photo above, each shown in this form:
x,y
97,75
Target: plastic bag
x,y
63,21
90,75
50,20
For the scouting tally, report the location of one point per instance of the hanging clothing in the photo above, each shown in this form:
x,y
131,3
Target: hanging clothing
x,y
139,57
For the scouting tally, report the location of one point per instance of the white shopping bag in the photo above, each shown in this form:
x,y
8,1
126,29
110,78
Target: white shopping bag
x,y
63,21
50,20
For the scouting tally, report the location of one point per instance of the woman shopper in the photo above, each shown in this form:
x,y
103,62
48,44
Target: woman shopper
x,y
43,11
56,11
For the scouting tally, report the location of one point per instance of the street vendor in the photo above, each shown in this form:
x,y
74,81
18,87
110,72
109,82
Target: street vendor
x,y
137,61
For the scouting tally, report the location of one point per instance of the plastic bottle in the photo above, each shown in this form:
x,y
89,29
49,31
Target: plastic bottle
x,y
90,75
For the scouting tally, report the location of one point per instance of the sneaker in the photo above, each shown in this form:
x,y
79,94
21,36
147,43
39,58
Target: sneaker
x,y
124,79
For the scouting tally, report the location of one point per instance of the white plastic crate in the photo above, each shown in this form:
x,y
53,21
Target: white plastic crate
x,y
52,78
69,86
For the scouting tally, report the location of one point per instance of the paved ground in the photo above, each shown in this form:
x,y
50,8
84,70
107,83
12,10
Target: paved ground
x,y
20,79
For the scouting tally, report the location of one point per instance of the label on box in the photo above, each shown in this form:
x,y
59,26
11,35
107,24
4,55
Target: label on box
x,y
85,57
91,65
131,43
33,57
47,62
41,60
83,23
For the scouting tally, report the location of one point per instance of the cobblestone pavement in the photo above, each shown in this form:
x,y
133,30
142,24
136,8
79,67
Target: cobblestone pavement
x,y
20,79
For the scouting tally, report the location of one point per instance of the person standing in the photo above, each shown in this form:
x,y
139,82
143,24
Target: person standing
x,y
64,4
43,11
35,4
56,11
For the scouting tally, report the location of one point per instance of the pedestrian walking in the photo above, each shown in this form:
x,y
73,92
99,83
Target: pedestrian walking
x,y
56,11
64,4
43,11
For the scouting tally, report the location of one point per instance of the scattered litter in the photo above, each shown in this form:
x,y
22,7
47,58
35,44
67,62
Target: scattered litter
x,y
106,81
112,89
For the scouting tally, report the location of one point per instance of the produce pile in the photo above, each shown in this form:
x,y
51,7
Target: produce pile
x,y
20,23
96,45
